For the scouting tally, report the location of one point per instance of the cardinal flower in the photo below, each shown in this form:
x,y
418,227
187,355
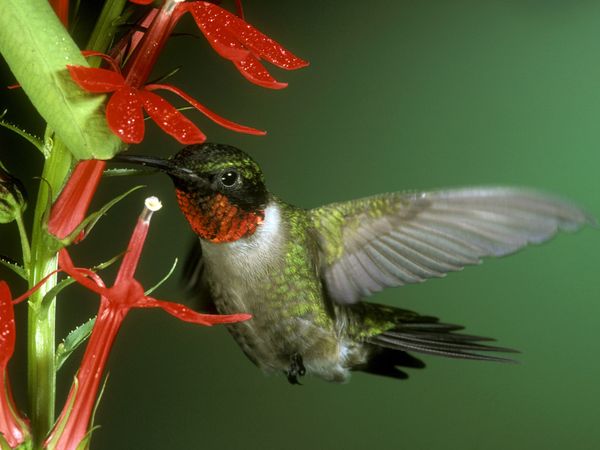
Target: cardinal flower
x,y
115,302
124,111
228,34
14,429
236,40
70,208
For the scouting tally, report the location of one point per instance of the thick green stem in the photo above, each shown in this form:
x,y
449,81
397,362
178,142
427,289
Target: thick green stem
x,y
37,48
41,334
43,261
26,249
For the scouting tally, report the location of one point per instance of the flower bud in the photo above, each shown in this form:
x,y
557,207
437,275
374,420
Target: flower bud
x,y
12,196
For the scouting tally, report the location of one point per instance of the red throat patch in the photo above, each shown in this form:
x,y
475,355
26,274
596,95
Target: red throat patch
x,y
215,219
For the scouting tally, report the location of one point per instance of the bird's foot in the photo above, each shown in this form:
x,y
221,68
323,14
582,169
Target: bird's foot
x,y
296,369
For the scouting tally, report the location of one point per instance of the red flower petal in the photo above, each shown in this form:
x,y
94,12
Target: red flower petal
x,y
213,26
230,36
262,45
187,315
141,2
207,112
73,423
66,264
39,284
170,120
7,326
251,68
128,43
124,115
142,60
96,80
109,59
134,248
73,202
13,428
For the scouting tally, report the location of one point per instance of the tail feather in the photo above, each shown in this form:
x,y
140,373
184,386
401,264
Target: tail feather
x,y
448,341
392,333
438,348
387,362
452,337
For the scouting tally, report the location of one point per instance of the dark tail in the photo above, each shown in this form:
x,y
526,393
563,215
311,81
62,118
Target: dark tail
x,y
388,363
406,331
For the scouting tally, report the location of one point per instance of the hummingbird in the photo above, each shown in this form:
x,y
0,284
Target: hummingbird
x,y
303,274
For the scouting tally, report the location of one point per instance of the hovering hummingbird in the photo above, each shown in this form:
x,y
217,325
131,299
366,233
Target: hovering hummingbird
x,y
303,274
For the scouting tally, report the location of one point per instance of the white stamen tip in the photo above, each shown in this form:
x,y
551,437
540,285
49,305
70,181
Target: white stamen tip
x,y
153,204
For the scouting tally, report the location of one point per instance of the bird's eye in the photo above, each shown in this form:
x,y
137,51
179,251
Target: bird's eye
x,y
229,178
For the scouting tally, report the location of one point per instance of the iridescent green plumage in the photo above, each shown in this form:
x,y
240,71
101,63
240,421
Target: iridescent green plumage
x,y
302,274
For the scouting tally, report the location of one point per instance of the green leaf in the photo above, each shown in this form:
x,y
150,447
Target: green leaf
x,y
52,293
34,140
90,221
3,444
165,77
94,427
93,218
16,268
37,49
25,446
73,340
165,278
76,337
60,424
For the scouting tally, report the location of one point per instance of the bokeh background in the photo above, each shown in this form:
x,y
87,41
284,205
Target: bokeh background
x,y
399,95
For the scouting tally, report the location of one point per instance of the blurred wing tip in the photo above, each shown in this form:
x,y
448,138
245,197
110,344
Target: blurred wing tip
x,y
590,220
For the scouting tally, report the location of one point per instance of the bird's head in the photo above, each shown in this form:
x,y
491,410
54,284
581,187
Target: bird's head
x,y
220,189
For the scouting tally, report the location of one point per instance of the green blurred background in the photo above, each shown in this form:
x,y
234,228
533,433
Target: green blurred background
x,y
399,95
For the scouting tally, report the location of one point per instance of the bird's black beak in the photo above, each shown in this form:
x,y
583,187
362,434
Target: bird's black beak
x,y
164,165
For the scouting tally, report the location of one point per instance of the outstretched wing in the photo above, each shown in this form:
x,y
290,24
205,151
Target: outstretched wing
x,y
400,238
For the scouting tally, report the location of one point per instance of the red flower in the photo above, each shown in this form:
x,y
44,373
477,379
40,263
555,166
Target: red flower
x,y
73,202
242,44
124,110
116,301
228,34
61,7
14,429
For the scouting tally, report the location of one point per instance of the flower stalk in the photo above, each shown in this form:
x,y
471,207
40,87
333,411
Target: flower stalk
x,y
41,335
46,35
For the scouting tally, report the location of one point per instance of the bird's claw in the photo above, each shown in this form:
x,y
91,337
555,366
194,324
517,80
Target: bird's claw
x,y
296,369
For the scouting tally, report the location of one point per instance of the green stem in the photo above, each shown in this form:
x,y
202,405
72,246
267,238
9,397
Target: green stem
x,y
93,139
42,315
105,29
24,241
41,336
